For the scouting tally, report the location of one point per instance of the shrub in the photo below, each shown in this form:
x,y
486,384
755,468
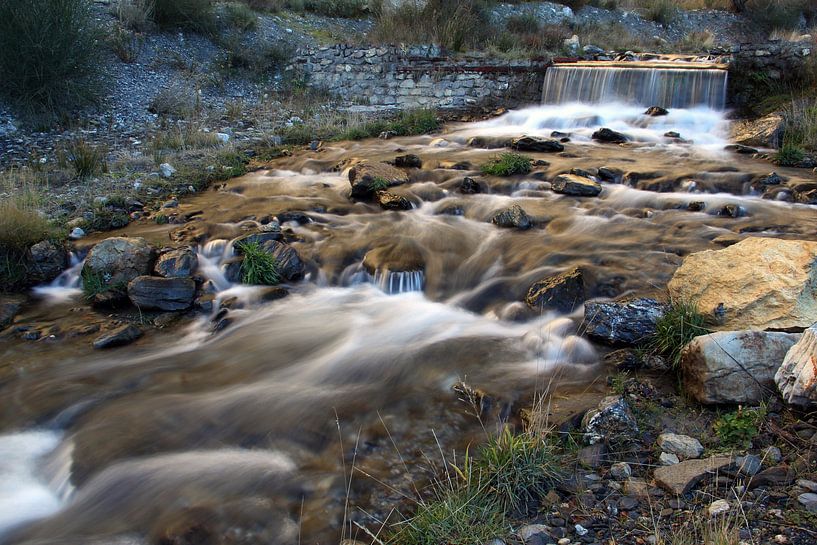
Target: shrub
x,y
194,15
801,124
259,267
676,329
176,100
330,8
775,14
126,44
48,55
737,429
85,159
508,164
240,16
663,12
517,469
184,138
21,226
524,23
789,155
135,14
266,59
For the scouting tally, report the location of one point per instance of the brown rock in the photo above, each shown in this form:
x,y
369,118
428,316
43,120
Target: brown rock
x,y
368,177
681,478
797,377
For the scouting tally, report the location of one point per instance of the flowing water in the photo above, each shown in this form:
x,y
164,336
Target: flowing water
x,y
249,431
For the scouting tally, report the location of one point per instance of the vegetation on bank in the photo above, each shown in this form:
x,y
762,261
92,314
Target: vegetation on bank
x,y
681,323
258,267
508,164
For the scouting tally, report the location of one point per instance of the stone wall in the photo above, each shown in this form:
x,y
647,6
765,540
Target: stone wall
x,y
421,77
778,59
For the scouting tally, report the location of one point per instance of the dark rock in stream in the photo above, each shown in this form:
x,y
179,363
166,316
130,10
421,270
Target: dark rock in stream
x,y
741,149
536,144
116,261
576,186
120,336
293,216
177,263
732,211
392,201
8,311
489,142
153,292
611,175
47,261
610,136
513,217
562,292
408,161
469,186
287,261
625,322
367,177
656,111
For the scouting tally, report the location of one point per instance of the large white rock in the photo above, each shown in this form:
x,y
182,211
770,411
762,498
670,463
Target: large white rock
x,y
758,283
683,446
797,377
734,366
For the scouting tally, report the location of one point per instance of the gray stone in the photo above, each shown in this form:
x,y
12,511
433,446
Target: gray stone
x,y
621,471
153,292
683,446
623,322
47,261
811,486
116,261
612,422
809,501
178,263
287,261
166,170
718,507
772,455
749,464
512,217
120,336
668,459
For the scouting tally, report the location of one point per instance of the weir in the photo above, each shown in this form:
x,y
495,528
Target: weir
x,y
669,85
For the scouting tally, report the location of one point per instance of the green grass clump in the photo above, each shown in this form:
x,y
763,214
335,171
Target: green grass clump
x,y
93,284
49,56
21,226
676,329
337,128
737,429
508,164
517,469
240,16
85,159
259,267
789,155
378,184
663,12
196,15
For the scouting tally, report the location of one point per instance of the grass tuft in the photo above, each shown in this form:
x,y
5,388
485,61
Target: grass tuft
x,y
196,15
789,155
240,16
259,267
87,160
508,164
676,329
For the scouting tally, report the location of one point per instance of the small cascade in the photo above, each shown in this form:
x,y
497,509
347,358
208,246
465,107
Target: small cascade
x,y
211,258
66,285
647,86
393,282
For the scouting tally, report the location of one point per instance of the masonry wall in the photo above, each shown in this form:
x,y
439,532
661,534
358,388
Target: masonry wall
x,y
778,59
421,77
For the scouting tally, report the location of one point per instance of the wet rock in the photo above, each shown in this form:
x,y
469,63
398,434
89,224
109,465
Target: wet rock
x,y
758,283
489,142
392,201
621,471
397,255
257,238
293,216
76,233
624,359
8,311
682,477
513,217
563,292
624,322
683,446
610,136
611,422
408,161
734,366
153,292
696,206
611,175
47,261
732,211
368,177
120,336
576,186
116,261
743,150
536,144
469,186
178,263
762,184
656,111
287,261
797,376
451,210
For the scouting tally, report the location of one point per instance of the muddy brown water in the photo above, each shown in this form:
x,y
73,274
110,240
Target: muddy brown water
x,y
250,433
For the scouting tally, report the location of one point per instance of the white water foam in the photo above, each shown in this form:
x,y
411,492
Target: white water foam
x,y
66,286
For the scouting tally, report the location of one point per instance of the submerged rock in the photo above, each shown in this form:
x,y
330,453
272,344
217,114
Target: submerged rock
x,y
562,292
408,161
288,262
154,292
47,261
625,322
513,217
8,311
120,336
396,255
469,186
116,261
739,149
734,366
797,376
611,175
758,283
577,186
392,201
489,142
610,136
178,263
536,144
656,111
367,177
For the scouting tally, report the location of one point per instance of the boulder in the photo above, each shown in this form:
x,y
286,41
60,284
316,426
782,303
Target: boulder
x,y
178,263
577,186
611,175
47,260
118,260
681,478
367,177
612,422
512,217
766,132
154,292
396,255
408,161
536,144
734,366
797,377
469,186
740,149
758,283
562,292
683,446
8,311
656,111
489,142
120,336
610,136
392,201
287,261
624,322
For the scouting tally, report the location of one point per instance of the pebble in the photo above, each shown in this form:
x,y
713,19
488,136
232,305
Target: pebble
x,y
668,459
809,501
718,507
581,530
166,170
628,503
749,464
564,541
811,486
621,471
76,233
772,456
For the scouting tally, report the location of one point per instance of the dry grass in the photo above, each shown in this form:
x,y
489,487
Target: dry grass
x,y
184,137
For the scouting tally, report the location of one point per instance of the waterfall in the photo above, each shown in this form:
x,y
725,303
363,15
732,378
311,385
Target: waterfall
x,y
647,86
393,282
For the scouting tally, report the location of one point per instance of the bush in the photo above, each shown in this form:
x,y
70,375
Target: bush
x,y
259,267
525,23
801,125
21,226
135,14
126,44
240,17
789,155
676,329
775,14
194,15
265,59
663,12
86,160
49,55
508,164
737,429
